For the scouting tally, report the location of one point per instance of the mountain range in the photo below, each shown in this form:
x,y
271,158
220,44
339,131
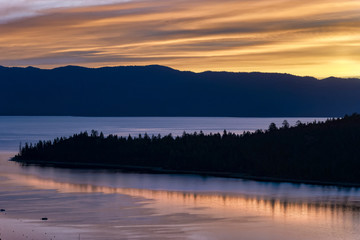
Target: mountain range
x,y
162,91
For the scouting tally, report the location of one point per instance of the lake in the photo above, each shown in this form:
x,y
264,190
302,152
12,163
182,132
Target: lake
x,y
99,204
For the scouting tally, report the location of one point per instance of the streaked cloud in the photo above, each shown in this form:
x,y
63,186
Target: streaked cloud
x,y
17,9
318,37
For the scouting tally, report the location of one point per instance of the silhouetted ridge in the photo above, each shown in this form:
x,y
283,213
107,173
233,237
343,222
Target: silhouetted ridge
x,y
71,67
318,151
162,91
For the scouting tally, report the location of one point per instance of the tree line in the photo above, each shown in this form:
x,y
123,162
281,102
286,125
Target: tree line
x,y
315,151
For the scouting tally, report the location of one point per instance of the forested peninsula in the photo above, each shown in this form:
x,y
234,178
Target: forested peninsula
x,y
317,152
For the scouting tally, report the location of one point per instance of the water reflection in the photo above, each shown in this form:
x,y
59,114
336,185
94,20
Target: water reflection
x,y
116,204
231,205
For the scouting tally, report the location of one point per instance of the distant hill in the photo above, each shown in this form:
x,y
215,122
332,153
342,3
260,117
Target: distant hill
x,y
162,91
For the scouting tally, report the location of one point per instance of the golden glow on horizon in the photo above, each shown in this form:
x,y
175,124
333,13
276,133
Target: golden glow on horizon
x,y
318,37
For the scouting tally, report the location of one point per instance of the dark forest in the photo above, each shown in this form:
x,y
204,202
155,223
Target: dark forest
x,y
318,151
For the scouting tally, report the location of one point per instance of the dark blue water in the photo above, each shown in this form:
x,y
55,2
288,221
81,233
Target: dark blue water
x,y
99,204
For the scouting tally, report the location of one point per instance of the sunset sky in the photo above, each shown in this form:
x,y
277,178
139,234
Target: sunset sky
x,y
320,38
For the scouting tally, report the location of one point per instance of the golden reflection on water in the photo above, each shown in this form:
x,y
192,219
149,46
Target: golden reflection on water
x,y
315,211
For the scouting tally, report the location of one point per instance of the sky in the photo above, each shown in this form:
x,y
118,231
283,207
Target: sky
x,y
318,38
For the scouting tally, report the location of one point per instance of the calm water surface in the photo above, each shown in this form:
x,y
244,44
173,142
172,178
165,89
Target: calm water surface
x,y
90,204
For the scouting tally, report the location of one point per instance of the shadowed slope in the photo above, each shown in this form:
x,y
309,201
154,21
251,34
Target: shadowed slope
x,y
162,91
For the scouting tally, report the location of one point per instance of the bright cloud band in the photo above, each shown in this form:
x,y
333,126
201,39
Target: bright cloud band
x,y
317,37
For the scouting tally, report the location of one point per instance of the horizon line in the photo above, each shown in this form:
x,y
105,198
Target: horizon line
x,y
180,70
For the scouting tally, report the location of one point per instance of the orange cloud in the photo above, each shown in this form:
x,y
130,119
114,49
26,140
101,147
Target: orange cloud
x,y
319,37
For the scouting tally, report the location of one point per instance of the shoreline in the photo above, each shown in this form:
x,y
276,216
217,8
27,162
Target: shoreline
x,y
159,170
